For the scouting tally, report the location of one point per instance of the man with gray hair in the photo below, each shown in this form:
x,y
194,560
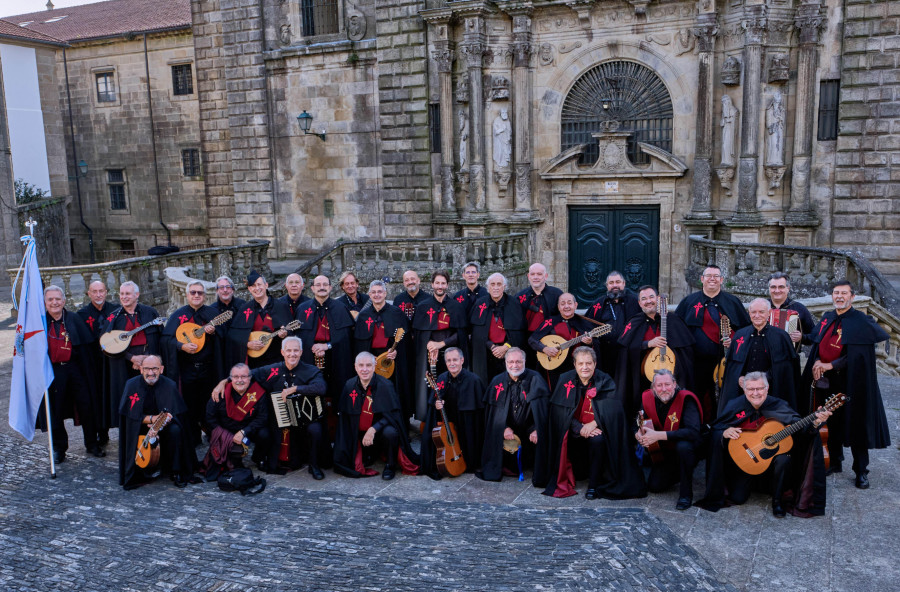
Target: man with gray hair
x,y
293,296
497,324
93,313
225,301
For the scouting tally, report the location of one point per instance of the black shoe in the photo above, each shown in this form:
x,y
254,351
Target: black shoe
x,y
834,468
590,494
683,503
778,510
103,439
275,471
96,451
316,473
388,473
862,481
179,482
59,457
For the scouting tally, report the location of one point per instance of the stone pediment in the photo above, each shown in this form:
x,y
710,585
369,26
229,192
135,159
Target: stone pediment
x,y
613,161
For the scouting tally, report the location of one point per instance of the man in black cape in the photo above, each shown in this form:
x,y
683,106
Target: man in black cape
x,y
195,370
641,334
369,418
539,303
516,407
440,322
470,293
460,393
411,296
567,325
143,398
352,298
119,368
497,324
376,332
842,360
93,313
702,312
589,434
761,348
225,301
613,308
779,290
260,313
293,296
797,476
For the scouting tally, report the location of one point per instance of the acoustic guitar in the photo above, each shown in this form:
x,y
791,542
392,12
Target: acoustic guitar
x,y
148,452
724,332
754,450
384,366
448,453
660,358
654,450
116,341
194,333
267,338
563,346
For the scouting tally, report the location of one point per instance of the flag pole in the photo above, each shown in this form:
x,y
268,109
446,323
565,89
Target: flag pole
x,y
49,435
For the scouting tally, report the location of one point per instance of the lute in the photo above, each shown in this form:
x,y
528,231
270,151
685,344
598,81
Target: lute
x,y
116,341
384,366
194,333
724,332
266,338
148,451
563,346
662,357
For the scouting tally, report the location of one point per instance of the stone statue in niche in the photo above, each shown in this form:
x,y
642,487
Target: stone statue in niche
x,y
729,127
502,129
463,139
779,68
775,130
284,34
731,71
356,27
462,89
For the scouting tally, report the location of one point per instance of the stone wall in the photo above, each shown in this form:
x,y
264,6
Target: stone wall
x,y
52,231
867,176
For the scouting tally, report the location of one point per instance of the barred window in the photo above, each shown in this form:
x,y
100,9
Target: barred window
x,y
626,92
116,182
106,87
434,123
190,162
829,99
182,82
320,17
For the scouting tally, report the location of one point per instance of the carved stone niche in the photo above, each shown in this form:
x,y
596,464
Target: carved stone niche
x,y
499,88
779,68
731,71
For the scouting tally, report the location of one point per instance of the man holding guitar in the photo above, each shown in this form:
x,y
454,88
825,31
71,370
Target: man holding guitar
x,y
567,326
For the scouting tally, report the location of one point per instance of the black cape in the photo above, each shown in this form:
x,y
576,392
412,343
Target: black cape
x,y
339,359
173,356
549,327
784,375
294,305
468,297
393,319
242,325
482,360
361,299
222,330
424,324
463,400
692,315
93,319
82,359
497,410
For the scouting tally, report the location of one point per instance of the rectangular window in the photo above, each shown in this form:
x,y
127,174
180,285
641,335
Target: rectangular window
x,y
106,87
829,99
116,181
190,162
320,17
182,83
434,122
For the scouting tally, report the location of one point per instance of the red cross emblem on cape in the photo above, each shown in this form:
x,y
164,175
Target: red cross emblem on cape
x,y
500,389
440,385
134,399
272,374
90,322
110,318
430,314
627,329
546,324
460,298
183,319
739,343
353,395
822,325
247,313
308,313
697,308
481,309
369,322
523,298
595,308
741,415
569,386
524,394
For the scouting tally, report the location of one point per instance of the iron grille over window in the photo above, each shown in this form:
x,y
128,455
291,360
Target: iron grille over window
x,y
320,17
829,98
190,162
632,95
116,180
434,122
106,87
182,82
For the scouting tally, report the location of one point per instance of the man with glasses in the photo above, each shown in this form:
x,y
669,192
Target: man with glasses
x,y
144,399
196,370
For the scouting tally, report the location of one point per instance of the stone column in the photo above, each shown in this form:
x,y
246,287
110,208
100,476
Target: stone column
x,y
754,25
808,21
444,56
472,49
523,73
705,32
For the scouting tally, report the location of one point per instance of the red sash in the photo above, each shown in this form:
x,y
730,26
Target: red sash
x,y
711,328
648,400
650,333
586,412
59,346
443,321
830,347
238,410
263,322
497,332
139,338
565,331
366,417
535,319
323,333
379,339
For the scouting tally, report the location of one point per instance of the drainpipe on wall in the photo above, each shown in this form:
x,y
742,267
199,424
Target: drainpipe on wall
x,y
75,161
153,143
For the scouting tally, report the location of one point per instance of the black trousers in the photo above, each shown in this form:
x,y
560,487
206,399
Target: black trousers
x,y
677,466
69,385
386,441
307,443
197,383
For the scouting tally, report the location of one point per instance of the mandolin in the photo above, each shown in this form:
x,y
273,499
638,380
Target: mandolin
x,y
449,456
116,341
563,346
654,450
267,338
724,332
753,451
148,452
383,365
662,357
194,333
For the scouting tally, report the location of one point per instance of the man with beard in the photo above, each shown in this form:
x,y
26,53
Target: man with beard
x,y
144,398
376,332
412,296
293,297
702,312
473,290
538,302
676,421
588,429
120,368
225,301
261,313
842,360
779,289
460,393
614,309
239,416
567,325
352,299
496,326
641,334
369,417
516,402
195,370
439,323
68,341
327,332
93,315
748,413
761,348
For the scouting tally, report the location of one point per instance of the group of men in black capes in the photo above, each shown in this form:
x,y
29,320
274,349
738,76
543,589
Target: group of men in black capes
x,y
528,383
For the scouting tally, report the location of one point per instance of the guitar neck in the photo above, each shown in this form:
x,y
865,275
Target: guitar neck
x,y
663,313
137,330
592,333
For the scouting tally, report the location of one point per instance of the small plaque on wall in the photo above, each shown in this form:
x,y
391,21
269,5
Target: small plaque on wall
x,y
751,236
612,186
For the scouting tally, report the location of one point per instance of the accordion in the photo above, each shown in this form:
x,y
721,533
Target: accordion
x,y
298,411
785,319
